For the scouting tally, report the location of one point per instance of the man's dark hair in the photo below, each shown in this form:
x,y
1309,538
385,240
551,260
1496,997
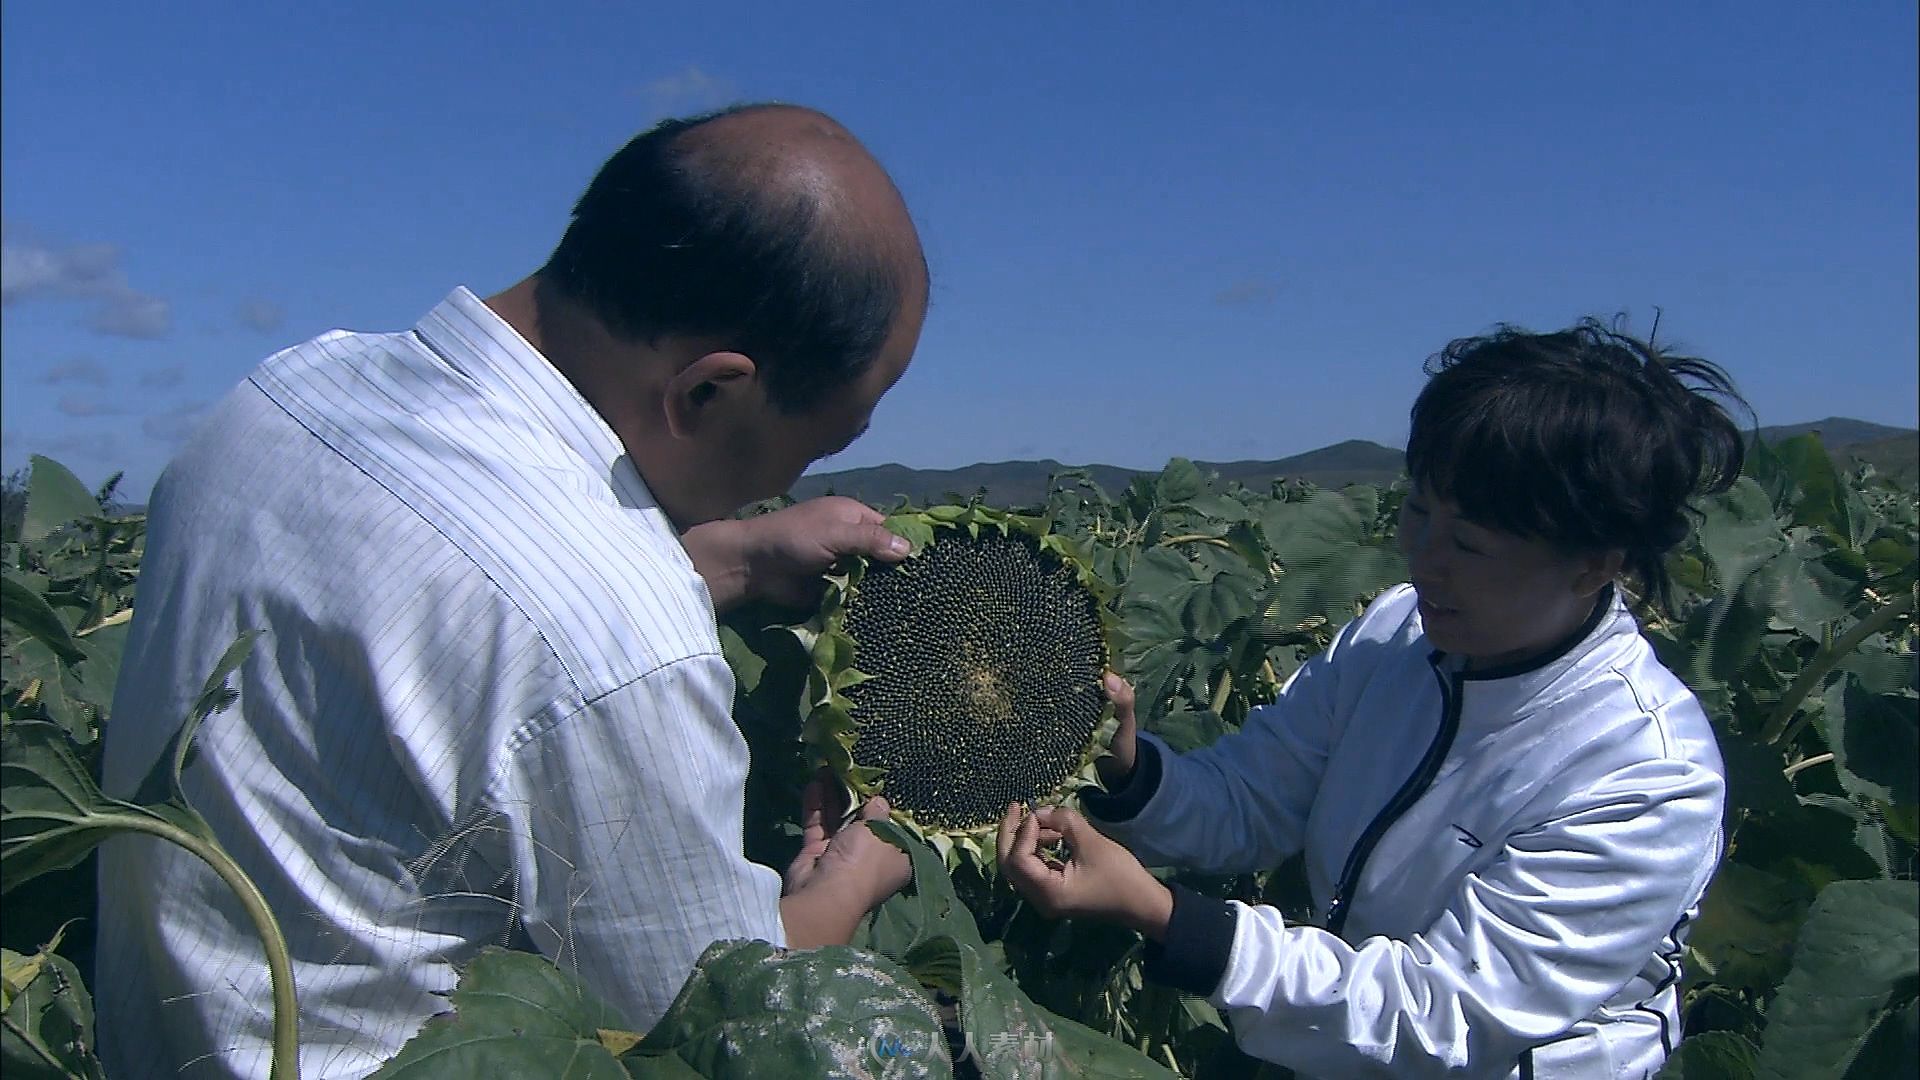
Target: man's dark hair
x,y
675,237
1588,439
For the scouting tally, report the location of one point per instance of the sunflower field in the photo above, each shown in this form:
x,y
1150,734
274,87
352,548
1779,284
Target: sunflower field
x,y
1795,625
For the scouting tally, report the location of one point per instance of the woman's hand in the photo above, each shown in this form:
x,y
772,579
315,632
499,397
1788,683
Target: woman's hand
x,y
1123,751
1099,879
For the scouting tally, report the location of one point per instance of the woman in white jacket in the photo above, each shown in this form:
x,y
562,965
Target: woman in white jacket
x,y
1509,809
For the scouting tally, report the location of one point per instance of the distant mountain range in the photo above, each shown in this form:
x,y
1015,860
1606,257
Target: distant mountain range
x,y
1891,450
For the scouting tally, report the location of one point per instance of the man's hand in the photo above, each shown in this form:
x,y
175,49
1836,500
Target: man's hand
x,y
1100,879
778,558
841,872
1117,767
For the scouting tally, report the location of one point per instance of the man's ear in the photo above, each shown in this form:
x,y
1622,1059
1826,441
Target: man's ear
x,y
1597,569
712,384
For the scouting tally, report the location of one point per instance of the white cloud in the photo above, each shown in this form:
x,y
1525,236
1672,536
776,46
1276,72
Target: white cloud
x,y
262,315
132,314
689,90
31,269
80,369
28,270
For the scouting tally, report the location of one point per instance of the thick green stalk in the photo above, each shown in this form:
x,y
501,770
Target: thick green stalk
x,y
1823,665
286,1013
1195,538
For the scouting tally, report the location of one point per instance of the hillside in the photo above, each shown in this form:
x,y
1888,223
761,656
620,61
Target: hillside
x,y
1023,483
1836,432
1896,457
1892,451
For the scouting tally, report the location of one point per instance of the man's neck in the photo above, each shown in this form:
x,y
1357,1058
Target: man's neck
x,y
556,329
519,307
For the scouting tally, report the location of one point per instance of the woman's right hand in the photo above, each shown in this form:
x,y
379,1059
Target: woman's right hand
x,y
1117,767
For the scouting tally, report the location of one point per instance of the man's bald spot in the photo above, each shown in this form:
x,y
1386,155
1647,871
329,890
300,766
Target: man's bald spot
x,y
789,153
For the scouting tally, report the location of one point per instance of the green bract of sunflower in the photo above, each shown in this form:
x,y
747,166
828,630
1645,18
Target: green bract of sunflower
x,y
964,678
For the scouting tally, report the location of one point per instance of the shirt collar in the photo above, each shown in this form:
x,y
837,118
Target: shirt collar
x,y
480,345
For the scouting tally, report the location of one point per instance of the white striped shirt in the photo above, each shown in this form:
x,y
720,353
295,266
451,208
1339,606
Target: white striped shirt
x,y
490,708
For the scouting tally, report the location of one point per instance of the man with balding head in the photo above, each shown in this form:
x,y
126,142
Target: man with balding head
x,y
490,705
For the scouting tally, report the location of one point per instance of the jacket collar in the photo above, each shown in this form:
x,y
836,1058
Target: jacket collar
x,y
1510,690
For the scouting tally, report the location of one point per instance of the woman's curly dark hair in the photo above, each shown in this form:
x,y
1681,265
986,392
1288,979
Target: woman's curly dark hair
x,y
1588,439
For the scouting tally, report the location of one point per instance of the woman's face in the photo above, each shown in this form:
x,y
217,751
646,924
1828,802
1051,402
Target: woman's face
x,y
1492,596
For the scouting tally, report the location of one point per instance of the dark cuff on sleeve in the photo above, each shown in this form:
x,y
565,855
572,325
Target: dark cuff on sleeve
x,y
1199,943
1125,804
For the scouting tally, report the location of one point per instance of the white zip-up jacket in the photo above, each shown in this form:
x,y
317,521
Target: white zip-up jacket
x,y
1506,859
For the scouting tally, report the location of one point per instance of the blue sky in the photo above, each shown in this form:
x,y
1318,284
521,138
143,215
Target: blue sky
x,y
1215,230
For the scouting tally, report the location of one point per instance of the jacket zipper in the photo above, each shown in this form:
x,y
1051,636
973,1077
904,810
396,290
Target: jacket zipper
x,y
1409,793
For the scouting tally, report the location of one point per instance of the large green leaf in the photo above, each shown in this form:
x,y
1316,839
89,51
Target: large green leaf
x,y
1746,928
514,1015
1855,961
1816,844
1161,579
55,684
1799,589
1327,589
1005,1035
1875,739
1215,606
1738,532
1756,779
52,812
104,645
1331,559
74,695
1180,481
54,498
1820,498
746,664
1712,1055
1315,529
47,1028
29,612
1189,729
1221,509
1008,1037
926,909
752,1011
1891,1047
748,1009
1726,634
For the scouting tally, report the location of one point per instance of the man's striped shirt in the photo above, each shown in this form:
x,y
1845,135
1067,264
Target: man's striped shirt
x,y
489,707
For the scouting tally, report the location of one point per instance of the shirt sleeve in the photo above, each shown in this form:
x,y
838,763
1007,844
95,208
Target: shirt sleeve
x,y
1570,912
629,858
